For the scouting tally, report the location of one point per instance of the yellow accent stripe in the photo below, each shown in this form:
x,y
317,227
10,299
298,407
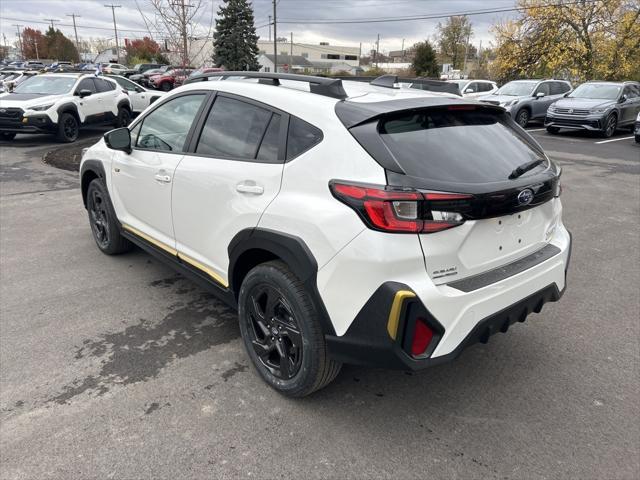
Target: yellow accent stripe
x,y
204,268
396,308
151,240
173,251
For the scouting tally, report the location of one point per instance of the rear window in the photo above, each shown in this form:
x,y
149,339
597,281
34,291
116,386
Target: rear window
x,y
462,146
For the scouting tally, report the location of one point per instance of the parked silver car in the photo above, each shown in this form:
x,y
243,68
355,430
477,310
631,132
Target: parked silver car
x,y
527,100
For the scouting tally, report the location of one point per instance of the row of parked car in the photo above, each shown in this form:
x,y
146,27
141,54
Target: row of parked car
x,y
602,107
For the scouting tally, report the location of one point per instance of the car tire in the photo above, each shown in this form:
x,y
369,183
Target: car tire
x,y
280,327
68,128
103,221
124,117
610,126
522,117
7,135
165,86
553,130
637,138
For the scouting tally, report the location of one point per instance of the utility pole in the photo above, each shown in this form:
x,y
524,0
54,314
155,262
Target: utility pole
x,y
291,47
18,27
35,44
403,50
52,20
115,27
269,27
275,37
466,52
377,49
183,24
75,30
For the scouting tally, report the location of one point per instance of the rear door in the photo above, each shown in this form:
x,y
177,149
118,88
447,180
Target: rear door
x,y
232,173
473,152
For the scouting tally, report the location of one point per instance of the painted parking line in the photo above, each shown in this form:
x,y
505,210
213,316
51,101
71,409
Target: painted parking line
x,y
614,140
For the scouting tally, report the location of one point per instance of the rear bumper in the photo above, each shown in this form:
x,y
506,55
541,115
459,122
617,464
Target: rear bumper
x,y
458,318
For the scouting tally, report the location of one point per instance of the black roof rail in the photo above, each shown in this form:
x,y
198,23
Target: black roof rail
x,y
328,87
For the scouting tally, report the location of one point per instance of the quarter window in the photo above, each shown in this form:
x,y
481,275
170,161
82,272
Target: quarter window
x,y
166,128
233,129
302,136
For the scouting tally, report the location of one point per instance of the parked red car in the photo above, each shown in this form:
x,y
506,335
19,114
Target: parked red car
x,y
170,79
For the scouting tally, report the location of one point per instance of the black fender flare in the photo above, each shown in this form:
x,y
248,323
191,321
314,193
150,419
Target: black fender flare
x,y
124,103
290,249
90,170
69,108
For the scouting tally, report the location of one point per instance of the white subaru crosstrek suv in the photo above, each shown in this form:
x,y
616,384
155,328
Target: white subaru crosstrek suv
x,y
347,223
61,104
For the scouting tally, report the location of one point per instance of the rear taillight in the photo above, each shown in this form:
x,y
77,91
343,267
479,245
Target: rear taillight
x,y
401,210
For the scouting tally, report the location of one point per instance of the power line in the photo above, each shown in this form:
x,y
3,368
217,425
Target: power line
x,y
52,20
427,17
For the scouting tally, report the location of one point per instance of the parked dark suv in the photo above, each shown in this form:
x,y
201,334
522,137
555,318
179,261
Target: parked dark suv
x,y
596,106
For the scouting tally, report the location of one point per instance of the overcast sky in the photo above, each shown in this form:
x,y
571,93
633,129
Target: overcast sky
x,y
296,16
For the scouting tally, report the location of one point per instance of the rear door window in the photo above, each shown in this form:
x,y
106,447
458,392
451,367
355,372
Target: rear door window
x,y
302,136
460,146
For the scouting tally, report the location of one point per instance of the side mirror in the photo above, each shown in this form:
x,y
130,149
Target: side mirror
x,y
623,99
119,139
566,94
139,89
84,93
540,94
469,90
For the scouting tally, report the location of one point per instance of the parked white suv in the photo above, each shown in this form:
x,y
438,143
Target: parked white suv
x,y
62,103
475,88
387,227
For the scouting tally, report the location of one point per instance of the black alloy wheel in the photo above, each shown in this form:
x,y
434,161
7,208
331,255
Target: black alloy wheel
x,y
124,117
522,118
68,129
165,86
611,126
99,218
274,332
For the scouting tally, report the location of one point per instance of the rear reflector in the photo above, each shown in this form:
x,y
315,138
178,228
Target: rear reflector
x,y
399,210
422,336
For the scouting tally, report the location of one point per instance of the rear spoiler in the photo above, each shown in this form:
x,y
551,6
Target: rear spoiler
x,y
355,113
393,81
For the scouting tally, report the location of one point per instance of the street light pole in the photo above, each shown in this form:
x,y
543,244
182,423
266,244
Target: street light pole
x,y
115,28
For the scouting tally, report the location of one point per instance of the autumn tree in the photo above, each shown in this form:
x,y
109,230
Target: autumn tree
x,y
577,40
453,38
34,44
424,61
145,49
235,41
59,47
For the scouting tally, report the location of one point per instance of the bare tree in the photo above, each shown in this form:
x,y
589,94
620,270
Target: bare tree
x,y
181,22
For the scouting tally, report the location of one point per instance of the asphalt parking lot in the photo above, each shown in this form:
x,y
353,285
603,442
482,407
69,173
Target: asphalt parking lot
x,y
115,367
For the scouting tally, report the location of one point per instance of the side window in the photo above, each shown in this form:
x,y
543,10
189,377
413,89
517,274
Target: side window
x,y
126,84
166,128
302,136
86,84
631,91
543,87
558,88
103,85
565,87
472,86
268,151
233,129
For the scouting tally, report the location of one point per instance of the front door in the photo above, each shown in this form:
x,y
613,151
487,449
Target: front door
x,y
225,185
142,180
91,106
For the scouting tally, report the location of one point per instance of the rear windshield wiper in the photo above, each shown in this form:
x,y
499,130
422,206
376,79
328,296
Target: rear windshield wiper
x,y
524,168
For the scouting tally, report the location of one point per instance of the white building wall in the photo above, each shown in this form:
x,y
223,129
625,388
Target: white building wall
x,y
315,53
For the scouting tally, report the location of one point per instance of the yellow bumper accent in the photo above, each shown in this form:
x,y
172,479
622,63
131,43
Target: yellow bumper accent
x,y
396,308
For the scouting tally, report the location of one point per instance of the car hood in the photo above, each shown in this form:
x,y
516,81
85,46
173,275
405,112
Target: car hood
x,y
583,103
501,98
26,100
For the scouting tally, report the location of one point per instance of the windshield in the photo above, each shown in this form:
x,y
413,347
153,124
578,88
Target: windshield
x,y
604,91
517,89
46,85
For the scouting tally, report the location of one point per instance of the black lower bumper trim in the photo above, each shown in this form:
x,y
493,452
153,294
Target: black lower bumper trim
x,y
367,343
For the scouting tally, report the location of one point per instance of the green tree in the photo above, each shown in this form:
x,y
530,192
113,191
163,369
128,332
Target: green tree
x,y
59,47
235,41
425,63
453,38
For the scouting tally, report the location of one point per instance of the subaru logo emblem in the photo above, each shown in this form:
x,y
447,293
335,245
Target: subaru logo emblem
x,y
571,110
525,197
